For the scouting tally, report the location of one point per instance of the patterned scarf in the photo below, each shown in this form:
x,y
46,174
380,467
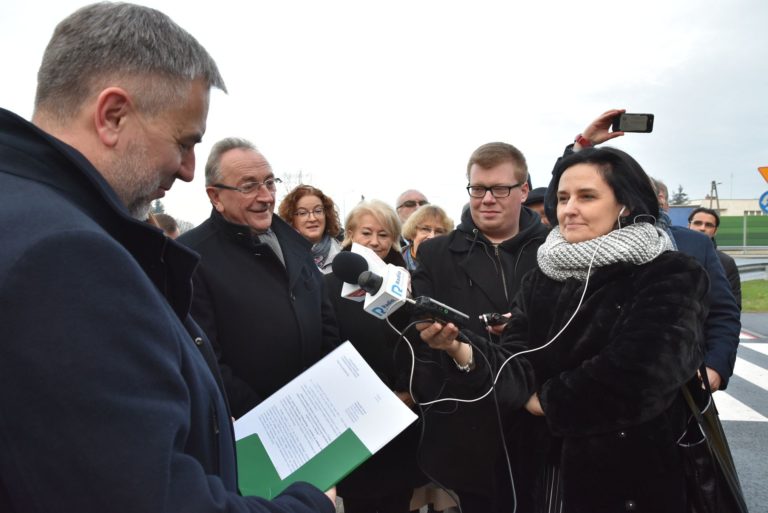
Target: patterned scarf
x,y
320,250
636,244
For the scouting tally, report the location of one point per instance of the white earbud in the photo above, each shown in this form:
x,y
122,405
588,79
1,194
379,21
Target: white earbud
x,y
623,208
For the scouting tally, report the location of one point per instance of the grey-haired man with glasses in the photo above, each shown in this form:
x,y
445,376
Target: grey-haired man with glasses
x,y
408,202
477,269
258,294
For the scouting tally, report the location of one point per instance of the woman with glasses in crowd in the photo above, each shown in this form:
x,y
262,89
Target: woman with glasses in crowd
x,y
425,223
314,215
601,338
386,481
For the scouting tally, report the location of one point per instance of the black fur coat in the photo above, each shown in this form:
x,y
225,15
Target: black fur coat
x,y
609,384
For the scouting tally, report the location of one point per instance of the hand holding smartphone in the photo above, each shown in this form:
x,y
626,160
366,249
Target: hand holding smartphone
x,y
627,122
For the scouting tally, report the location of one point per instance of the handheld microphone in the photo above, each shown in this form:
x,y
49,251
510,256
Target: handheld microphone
x,y
386,294
348,266
383,294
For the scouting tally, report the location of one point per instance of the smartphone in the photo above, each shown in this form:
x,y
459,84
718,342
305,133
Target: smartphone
x,y
494,319
642,123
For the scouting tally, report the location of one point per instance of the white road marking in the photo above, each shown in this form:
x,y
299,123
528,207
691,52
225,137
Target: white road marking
x,y
756,346
732,409
751,372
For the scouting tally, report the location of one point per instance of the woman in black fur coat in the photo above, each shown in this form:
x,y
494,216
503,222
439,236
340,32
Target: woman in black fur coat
x,y
613,322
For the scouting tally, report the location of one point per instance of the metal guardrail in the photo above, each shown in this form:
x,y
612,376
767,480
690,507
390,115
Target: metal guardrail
x,y
748,268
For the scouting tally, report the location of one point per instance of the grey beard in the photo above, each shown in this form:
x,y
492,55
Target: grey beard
x,y
140,211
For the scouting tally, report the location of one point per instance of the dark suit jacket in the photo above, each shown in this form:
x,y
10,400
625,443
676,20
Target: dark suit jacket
x,y
106,400
732,274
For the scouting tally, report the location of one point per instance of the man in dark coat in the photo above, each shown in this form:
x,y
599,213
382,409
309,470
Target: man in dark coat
x,y
723,324
258,295
707,221
109,395
476,269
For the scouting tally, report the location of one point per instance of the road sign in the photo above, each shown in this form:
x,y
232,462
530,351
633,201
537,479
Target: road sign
x,y
764,171
764,202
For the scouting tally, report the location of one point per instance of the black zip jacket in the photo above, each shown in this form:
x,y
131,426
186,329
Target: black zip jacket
x,y
462,444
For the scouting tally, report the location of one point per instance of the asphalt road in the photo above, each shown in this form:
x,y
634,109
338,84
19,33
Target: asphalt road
x,y
743,411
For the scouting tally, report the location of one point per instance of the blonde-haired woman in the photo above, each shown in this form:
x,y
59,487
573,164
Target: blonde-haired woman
x,y
386,481
374,224
425,223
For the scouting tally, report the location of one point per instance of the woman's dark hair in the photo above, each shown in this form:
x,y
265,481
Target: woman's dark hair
x,y
287,207
631,186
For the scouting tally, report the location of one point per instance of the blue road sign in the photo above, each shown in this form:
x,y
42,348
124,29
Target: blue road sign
x,y
764,202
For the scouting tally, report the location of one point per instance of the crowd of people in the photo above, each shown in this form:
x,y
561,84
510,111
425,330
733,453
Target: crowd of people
x,y
153,342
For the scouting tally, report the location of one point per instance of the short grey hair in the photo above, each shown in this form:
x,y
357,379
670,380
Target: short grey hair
x,y
406,193
135,45
213,165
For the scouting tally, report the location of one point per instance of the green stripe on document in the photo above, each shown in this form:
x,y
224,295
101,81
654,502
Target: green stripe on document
x,y
257,475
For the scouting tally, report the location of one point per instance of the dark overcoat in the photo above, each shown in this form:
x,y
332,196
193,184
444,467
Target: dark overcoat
x,y
732,274
723,324
267,321
107,402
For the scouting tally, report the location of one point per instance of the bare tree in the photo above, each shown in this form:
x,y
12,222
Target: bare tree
x,y
292,180
184,225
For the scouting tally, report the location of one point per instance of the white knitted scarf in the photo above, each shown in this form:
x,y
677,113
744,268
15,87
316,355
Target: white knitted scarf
x,y
636,244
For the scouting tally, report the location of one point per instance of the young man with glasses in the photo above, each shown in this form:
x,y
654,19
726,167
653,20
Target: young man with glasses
x,y
258,294
476,269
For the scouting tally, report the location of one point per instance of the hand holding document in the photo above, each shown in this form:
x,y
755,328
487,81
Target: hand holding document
x,y
318,427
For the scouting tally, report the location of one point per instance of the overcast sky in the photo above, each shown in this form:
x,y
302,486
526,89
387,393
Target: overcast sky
x,y
371,98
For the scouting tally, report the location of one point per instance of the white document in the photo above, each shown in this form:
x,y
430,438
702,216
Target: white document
x,y
339,392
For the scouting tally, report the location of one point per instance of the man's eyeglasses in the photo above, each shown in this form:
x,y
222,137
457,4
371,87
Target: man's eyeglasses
x,y
498,191
251,188
317,212
412,203
427,230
